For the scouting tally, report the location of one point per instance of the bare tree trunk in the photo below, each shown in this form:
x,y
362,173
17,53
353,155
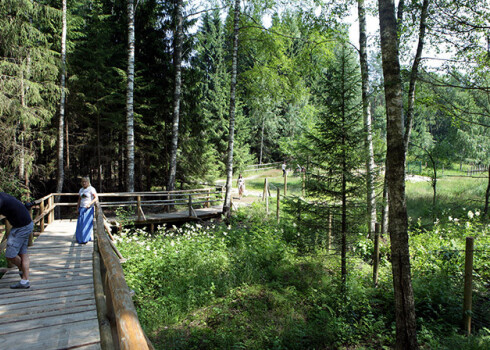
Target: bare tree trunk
x,y
129,99
414,73
67,165
177,91
406,336
61,125
262,141
371,195
99,160
343,258
229,162
385,210
487,195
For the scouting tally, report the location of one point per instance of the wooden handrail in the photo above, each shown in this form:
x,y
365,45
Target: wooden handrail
x,y
129,332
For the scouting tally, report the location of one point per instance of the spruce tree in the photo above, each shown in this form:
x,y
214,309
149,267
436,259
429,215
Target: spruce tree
x,y
337,142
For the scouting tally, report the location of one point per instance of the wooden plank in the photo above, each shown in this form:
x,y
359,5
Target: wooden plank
x,y
60,272
48,321
64,336
25,297
46,309
95,346
35,303
49,288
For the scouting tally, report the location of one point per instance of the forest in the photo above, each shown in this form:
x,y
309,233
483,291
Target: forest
x,y
161,95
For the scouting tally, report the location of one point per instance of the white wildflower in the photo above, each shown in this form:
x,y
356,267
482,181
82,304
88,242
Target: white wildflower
x,y
470,214
450,218
477,213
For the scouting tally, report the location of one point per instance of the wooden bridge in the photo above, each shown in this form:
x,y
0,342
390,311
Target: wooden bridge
x,y
78,297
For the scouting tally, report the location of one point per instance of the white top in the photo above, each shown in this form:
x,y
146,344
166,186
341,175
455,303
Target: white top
x,y
86,196
283,166
241,182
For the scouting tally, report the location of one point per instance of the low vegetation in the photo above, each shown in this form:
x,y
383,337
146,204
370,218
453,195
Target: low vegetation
x,y
251,284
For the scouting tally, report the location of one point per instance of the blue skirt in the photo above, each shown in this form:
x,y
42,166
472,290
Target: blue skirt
x,y
85,226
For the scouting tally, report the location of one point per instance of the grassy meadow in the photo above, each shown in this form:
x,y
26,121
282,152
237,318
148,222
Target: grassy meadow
x,y
254,284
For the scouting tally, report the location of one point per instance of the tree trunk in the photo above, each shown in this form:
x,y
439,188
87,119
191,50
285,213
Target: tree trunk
x,y
229,162
129,100
487,195
343,258
406,336
177,90
262,141
67,141
414,73
99,160
385,210
61,125
371,195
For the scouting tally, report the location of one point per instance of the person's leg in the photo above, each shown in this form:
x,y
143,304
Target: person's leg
x,y
16,252
17,261
25,265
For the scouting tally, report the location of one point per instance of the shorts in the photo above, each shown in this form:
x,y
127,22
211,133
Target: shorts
x,y
18,240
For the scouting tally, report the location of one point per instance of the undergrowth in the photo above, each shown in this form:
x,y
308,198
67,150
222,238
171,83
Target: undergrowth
x,y
250,285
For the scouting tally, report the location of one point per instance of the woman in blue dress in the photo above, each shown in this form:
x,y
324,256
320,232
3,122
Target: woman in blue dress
x,y
85,206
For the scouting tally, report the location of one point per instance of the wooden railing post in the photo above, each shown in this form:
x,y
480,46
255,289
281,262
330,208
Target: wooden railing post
x,y
31,236
138,209
208,198
376,254
190,205
264,191
51,211
267,201
468,285
41,223
285,183
278,201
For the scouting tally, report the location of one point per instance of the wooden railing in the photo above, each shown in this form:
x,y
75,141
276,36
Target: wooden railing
x,y
263,166
115,309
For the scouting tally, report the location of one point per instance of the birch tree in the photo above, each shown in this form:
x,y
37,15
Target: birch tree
x,y
229,162
371,195
176,96
129,99
61,126
406,336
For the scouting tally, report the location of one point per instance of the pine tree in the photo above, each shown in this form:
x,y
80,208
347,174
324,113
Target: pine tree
x,y
28,83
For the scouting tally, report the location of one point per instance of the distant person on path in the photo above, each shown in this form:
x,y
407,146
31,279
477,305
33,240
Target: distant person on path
x,y
284,169
86,199
241,186
22,226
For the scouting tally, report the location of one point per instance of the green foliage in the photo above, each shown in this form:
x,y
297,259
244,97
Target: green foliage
x,y
3,260
256,284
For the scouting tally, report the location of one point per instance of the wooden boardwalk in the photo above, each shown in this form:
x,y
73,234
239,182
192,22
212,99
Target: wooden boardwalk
x,y
178,216
58,310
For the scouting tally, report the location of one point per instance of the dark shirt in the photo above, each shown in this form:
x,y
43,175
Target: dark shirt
x,y
14,210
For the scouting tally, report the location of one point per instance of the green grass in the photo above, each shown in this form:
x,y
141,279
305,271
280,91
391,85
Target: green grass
x,y
276,180
455,196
